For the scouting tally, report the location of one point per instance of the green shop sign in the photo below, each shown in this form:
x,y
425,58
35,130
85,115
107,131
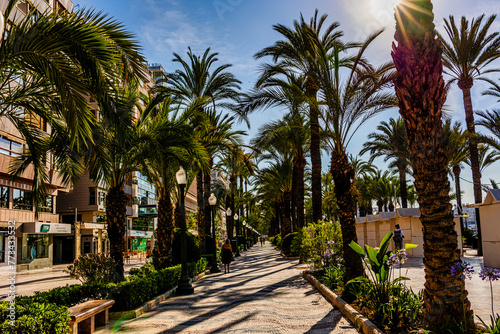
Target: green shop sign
x,y
139,244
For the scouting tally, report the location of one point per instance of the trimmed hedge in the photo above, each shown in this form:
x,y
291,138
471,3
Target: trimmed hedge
x,y
286,244
195,268
35,318
192,246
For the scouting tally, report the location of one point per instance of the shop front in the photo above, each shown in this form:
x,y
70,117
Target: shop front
x,y
35,244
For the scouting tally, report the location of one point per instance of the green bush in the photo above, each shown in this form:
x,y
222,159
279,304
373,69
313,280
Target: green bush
x,y
286,245
93,269
34,318
321,244
195,268
143,271
127,295
192,247
132,294
276,240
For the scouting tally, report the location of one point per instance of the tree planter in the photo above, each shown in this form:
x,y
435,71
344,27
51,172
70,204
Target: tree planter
x,y
354,316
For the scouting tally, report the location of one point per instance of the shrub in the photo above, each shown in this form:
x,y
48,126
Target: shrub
x,y
35,318
93,269
132,294
195,268
321,244
192,246
469,238
286,244
68,295
143,271
276,240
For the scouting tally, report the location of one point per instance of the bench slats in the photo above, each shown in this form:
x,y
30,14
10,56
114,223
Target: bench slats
x,y
86,312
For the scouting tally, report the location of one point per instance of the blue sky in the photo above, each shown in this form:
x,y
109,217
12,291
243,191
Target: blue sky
x,y
237,29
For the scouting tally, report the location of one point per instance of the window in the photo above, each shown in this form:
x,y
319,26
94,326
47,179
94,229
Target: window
x,y
38,247
101,198
4,197
22,199
10,147
92,196
46,206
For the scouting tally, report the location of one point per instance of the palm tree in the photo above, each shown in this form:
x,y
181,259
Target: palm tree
x,y
301,51
421,92
56,60
491,121
486,157
173,143
467,57
117,152
455,144
289,134
197,82
390,142
348,104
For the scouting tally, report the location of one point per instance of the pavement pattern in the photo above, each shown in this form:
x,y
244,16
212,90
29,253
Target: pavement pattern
x,y
263,293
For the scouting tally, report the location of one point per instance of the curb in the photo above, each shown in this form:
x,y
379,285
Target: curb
x,y
359,320
149,305
289,257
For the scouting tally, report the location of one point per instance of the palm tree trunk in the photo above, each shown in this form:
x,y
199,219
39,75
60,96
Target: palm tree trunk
x,y
316,196
299,202
116,216
294,196
380,205
402,186
229,219
420,89
165,232
474,158
343,176
208,209
456,173
200,199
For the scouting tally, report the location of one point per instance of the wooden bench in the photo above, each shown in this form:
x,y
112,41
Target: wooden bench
x,y
85,316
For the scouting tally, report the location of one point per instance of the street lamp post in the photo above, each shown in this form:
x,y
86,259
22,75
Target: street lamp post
x,y
245,235
237,234
184,287
212,200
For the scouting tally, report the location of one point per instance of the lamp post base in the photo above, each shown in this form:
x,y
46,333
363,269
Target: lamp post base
x,y
184,287
214,269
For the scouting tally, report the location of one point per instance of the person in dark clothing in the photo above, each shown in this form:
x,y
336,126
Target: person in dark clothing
x,y
226,255
398,236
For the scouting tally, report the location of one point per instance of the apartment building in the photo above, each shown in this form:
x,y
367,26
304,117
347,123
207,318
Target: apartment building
x,y
34,235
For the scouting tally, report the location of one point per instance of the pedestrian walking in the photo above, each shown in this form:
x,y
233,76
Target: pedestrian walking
x,y
398,236
261,240
226,255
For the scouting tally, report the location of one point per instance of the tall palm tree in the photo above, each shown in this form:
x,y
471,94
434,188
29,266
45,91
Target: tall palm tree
x,y
300,51
198,82
468,56
118,150
486,157
173,143
421,92
455,144
390,142
55,61
290,133
348,104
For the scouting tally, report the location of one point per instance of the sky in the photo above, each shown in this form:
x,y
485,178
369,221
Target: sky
x,y
237,29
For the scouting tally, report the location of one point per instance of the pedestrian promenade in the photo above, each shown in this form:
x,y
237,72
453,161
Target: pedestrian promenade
x,y
263,293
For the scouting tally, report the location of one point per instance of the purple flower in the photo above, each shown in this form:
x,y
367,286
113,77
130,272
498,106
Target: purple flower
x,y
462,269
490,274
328,253
399,257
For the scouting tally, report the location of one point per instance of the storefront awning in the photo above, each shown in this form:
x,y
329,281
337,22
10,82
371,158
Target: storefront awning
x,y
46,228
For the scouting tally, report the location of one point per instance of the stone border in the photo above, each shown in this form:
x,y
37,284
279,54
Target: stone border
x,y
149,305
289,257
359,320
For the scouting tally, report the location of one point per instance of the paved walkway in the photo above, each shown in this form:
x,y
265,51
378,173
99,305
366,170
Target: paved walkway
x,y
479,291
27,282
263,294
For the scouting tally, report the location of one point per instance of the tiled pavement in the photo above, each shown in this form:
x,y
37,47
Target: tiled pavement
x,y
263,294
